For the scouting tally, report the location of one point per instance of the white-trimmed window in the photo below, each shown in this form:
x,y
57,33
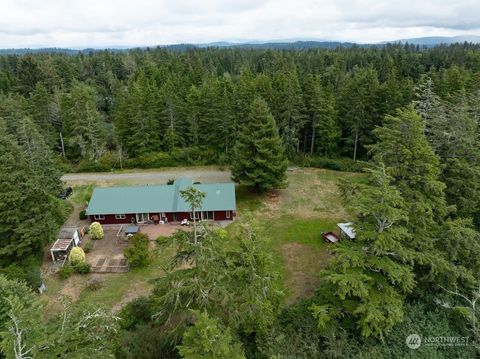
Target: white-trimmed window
x,y
227,213
197,215
120,216
99,217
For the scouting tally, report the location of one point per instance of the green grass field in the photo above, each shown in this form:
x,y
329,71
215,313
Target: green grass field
x,y
289,221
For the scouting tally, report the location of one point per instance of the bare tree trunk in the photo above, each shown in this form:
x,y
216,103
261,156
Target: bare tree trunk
x,y
355,146
63,146
194,226
120,155
312,145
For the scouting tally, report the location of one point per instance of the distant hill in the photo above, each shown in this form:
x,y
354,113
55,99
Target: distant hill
x,y
438,40
287,45
274,45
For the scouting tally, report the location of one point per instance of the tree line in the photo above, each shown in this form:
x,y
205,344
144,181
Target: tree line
x,y
162,107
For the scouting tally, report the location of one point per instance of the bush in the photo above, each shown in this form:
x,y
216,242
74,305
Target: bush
x,y
94,284
81,268
137,252
82,215
76,256
195,155
88,247
150,160
162,240
65,272
28,271
336,164
96,231
137,312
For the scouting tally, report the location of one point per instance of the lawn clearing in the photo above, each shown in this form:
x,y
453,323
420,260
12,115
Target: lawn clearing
x,y
291,222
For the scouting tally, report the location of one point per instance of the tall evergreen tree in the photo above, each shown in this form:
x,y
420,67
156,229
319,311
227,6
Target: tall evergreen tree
x,y
322,118
358,108
28,213
288,109
82,123
414,167
259,161
207,338
367,278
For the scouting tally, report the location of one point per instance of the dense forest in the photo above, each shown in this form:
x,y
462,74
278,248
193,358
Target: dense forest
x,y
157,108
408,117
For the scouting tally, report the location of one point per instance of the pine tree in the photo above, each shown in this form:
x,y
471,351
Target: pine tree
x,y
38,155
39,110
28,213
322,117
367,278
288,109
415,170
259,162
453,131
358,108
207,338
84,133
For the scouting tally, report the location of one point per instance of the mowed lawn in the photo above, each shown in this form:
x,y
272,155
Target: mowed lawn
x,y
290,221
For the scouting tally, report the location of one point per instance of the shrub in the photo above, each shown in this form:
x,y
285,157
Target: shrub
x,y
76,256
162,240
171,181
81,268
137,252
195,155
66,271
336,164
88,247
83,215
96,231
94,284
151,160
135,313
27,270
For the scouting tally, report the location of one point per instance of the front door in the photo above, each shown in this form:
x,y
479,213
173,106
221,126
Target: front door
x,y
142,217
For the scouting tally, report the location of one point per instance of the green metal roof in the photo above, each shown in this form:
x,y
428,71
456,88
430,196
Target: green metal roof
x,y
159,198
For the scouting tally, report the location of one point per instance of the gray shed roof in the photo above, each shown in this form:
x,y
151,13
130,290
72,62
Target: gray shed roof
x,y
159,198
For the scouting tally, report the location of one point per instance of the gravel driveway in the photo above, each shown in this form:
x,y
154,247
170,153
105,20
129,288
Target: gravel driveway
x,y
201,174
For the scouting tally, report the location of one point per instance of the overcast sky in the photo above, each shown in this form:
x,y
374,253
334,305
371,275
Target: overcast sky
x,y
103,23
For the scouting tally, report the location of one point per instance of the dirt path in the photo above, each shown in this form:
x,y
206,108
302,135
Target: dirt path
x,y
161,176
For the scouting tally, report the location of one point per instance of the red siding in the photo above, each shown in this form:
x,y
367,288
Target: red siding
x,y
172,217
222,215
110,219
182,215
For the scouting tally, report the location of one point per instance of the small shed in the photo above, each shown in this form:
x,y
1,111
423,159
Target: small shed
x,y
67,239
346,230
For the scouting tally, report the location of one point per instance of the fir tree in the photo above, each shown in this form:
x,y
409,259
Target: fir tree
x,y
367,278
259,161
28,213
207,338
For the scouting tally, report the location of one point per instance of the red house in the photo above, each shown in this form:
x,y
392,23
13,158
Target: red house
x,y
142,204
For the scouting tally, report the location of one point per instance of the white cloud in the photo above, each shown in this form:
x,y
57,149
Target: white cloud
x,y
97,23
